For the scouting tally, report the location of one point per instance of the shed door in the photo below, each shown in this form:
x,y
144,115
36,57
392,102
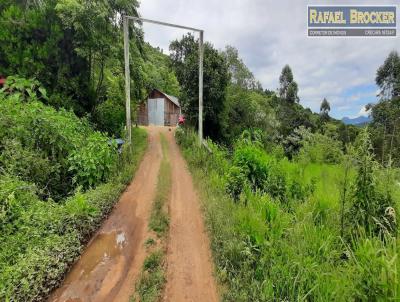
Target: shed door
x,y
156,111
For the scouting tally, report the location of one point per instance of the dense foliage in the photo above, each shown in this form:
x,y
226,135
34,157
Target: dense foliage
x,y
58,179
75,50
69,46
185,61
53,149
386,113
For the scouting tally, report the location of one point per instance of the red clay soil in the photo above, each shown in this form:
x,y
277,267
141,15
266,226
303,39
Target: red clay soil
x,y
189,265
113,259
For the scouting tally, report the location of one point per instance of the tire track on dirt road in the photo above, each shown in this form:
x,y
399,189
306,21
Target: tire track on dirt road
x,y
112,261
189,261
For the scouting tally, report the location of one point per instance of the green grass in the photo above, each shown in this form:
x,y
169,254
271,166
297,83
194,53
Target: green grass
x,y
149,242
265,250
46,237
152,279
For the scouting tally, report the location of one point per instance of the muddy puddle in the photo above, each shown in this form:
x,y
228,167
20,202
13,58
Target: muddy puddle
x,y
104,266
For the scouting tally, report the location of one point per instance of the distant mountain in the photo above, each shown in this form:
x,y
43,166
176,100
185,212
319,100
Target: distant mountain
x,y
357,120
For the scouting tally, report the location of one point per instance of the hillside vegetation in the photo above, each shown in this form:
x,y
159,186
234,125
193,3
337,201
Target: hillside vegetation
x,y
298,230
300,206
58,179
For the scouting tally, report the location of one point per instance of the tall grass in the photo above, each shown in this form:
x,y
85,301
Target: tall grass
x,y
267,251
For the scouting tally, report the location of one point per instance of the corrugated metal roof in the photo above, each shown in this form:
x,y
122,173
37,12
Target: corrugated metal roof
x,y
173,99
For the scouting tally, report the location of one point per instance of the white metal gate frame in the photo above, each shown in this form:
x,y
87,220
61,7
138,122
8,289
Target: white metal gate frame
x,y
127,71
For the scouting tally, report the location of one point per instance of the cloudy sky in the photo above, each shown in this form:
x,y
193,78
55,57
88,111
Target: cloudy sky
x,y
270,34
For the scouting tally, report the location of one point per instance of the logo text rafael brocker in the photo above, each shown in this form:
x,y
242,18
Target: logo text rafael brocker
x,y
356,17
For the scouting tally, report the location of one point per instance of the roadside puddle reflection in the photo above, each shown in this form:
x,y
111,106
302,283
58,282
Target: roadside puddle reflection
x,y
105,247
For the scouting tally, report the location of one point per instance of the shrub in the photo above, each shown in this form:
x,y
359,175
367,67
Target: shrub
x,y
56,143
293,142
110,117
29,165
45,156
92,163
275,184
253,161
236,181
15,196
24,89
319,148
80,215
300,192
252,164
185,137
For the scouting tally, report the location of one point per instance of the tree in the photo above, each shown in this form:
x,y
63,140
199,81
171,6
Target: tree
x,y
269,92
158,73
288,87
325,107
247,109
324,110
388,76
386,113
69,46
185,62
385,127
239,73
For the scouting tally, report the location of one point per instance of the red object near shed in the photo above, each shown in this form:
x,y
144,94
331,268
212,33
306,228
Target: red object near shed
x,y
2,80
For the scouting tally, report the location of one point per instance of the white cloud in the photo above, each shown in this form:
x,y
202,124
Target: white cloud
x,y
270,34
363,112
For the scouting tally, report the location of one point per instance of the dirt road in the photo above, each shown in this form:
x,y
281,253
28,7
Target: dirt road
x,y
112,261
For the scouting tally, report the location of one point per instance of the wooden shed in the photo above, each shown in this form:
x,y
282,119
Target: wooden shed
x,y
159,109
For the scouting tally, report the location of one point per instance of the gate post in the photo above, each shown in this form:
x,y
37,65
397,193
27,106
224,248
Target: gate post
x,y
127,81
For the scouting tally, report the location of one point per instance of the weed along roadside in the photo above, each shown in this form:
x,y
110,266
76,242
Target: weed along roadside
x,y
152,279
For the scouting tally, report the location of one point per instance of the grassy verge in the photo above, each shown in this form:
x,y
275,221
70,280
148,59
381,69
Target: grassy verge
x,y
269,250
152,279
47,237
